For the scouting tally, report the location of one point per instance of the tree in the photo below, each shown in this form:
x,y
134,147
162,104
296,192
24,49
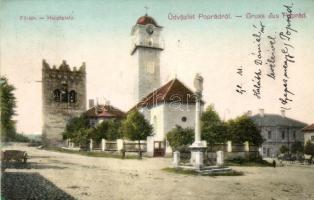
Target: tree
x,y
213,129
284,149
82,136
20,137
297,147
73,128
8,105
179,137
99,132
114,130
108,129
136,127
309,148
243,129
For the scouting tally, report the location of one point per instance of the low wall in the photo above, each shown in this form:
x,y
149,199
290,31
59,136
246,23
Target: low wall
x,y
232,155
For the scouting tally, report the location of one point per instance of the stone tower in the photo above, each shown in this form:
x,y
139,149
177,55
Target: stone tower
x,y
64,97
146,49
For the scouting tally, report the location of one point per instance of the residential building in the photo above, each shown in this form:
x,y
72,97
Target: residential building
x,y
277,130
308,132
98,113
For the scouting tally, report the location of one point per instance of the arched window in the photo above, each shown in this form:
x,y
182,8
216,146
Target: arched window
x,y
72,96
64,93
56,95
64,96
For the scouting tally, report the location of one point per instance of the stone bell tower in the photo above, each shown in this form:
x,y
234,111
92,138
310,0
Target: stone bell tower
x,y
64,97
146,48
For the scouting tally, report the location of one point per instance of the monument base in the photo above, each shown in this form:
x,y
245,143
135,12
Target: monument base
x,y
197,154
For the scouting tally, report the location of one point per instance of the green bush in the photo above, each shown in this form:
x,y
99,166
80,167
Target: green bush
x,y
309,148
250,161
179,137
20,138
297,147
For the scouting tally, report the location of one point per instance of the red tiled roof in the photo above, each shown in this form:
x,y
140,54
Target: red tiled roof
x,y
308,128
147,20
104,111
173,91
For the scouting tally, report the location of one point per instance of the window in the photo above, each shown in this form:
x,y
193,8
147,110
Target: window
x,y
294,135
312,138
64,93
150,68
93,122
283,135
56,95
269,135
64,96
183,119
72,96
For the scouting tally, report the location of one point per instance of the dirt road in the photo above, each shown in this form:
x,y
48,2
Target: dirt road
x,y
53,175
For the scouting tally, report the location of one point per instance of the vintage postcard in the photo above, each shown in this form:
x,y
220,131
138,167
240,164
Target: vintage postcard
x,y
135,99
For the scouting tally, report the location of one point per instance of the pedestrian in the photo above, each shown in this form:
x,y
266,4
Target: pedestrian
x,y
274,163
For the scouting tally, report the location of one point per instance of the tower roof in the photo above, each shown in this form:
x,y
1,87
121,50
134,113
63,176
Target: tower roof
x,y
173,91
147,20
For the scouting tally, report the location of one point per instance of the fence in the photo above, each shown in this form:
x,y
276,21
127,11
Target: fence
x,y
97,146
230,151
131,146
111,146
117,145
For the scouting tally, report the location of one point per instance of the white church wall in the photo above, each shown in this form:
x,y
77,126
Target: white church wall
x,y
146,113
150,145
157,119
174,115
183,115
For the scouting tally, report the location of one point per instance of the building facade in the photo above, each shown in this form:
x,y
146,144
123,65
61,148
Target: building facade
x,y
308,132
277,131
64,97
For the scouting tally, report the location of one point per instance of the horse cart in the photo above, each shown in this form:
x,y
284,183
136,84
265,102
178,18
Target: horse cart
x,y
18,156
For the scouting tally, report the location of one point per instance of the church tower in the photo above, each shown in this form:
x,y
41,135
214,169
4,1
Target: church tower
x,y
146,48
64,97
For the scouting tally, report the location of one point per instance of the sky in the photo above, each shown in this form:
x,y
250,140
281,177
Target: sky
x,y
99,34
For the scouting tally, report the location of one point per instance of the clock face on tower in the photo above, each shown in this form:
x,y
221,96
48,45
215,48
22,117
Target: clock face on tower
x,y
150,29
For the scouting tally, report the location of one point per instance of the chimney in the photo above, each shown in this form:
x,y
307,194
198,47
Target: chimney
x,y
261,112
91,103
249,113
283,113
107,102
